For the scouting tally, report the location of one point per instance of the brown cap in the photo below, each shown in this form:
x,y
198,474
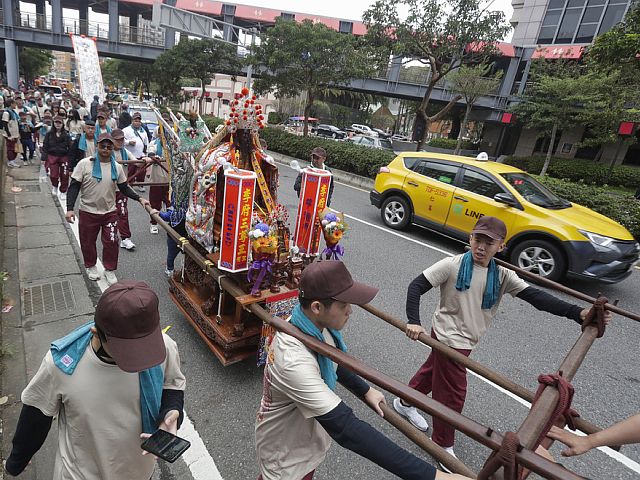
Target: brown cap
x,y
58,118
127,313
491,227
105,136
136,115
331,279
101,115
321,152
117,134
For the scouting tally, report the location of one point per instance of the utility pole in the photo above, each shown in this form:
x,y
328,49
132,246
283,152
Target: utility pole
x,y
250,67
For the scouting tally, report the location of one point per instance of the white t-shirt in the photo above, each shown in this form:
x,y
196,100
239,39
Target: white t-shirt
x,y
141,140
289,441
97,197
99,421
459,320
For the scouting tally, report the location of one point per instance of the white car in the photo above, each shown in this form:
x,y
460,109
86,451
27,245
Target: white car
x,y
364,130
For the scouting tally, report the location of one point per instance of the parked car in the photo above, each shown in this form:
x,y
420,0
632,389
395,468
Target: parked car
x,y
381,133
372,142
402,138
363,130
330,131
547,234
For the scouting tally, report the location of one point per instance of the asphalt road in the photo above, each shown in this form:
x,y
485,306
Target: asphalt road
x,y
522,343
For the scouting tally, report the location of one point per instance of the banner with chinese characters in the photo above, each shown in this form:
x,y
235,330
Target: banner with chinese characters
x,y
237,209
314,190
88,68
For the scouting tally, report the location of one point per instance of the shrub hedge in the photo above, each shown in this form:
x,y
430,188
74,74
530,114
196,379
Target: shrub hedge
x,y
576,170
622,208
451,143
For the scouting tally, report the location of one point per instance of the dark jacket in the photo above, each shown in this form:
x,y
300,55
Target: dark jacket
x,y
94,110
298,184
124,120
56,145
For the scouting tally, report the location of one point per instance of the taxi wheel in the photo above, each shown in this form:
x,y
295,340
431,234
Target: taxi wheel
x,y
395,212
540,257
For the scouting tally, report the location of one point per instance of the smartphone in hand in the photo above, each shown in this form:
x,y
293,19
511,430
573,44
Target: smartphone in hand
x,y
165,445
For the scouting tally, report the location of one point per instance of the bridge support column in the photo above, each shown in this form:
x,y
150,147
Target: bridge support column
x,y
56,16
114,23
229,33
170,33
394,71
133,27
83,15
11,55
41,15
509,77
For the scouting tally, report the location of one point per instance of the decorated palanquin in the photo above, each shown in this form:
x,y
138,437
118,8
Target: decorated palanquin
x,y
234,220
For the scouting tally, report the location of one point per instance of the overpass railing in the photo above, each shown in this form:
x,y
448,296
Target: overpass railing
x,y
146,35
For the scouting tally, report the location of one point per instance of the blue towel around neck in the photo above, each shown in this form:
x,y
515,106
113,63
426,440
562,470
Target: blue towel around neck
x,y
68,351
492,287
96,172
328,373
82,143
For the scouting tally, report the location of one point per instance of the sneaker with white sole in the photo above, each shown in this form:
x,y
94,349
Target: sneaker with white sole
x,y
25,163
63,196
93,274
168,273
153,229
110,276
54,190
442,466
411,414
13,164
127,243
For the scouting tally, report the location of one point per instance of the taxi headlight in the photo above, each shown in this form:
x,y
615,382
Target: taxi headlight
x,y
599,240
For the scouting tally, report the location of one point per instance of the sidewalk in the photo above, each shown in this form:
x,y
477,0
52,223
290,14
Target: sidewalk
x,y
46,289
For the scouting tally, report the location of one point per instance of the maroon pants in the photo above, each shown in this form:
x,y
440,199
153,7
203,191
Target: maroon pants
x,y
58,168
308,476
11,150
123,215
89,225
446,380
158,196
138,172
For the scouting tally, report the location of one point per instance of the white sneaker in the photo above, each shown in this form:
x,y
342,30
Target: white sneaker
x,y
54,191
63,196
93,274
442,466
110,276
411,414
140,189
127,243
168,273
13,164
153,229
25,163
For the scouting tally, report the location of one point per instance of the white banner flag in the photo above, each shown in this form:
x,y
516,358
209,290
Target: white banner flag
x,y
88,68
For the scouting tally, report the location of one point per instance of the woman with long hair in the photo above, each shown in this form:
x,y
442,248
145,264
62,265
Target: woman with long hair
x,y
74,124
56,145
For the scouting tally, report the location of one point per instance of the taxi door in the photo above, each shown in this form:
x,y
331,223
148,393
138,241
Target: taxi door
x,y
474,199
430,186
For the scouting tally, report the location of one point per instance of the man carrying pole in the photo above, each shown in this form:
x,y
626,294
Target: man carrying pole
x,y
471,287
300,411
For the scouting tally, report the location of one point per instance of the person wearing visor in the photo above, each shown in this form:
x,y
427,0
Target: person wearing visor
x,y
471,288
318,157
96,179
110,383
300,411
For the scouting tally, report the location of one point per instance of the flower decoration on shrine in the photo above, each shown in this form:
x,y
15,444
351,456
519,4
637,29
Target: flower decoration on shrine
x,y
264,246
333,229
245,113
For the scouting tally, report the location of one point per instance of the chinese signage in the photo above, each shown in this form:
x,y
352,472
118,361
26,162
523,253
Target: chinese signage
x,y
88,68
313,199
239,190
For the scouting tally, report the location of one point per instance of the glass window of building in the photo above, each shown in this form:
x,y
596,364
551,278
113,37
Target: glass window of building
x,y
612,16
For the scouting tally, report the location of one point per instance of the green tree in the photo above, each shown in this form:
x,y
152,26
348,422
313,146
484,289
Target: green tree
x,y
307,56
561,96
472,83
34,62
442,34
128,74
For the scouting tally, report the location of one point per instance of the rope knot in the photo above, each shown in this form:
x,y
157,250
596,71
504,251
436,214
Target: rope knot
x,y
505,457
563,407
596,315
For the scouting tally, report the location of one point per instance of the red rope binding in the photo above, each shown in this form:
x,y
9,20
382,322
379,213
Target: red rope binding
x,y
505,457
596,316
563,407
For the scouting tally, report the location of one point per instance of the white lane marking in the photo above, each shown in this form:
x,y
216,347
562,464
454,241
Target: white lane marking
x,y
197,457
351,186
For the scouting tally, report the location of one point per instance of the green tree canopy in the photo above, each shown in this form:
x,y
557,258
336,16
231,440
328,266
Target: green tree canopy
x,y
440,33
311,57
34,62
472,83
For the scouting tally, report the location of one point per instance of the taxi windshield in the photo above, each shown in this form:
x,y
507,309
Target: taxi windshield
x,y
534,192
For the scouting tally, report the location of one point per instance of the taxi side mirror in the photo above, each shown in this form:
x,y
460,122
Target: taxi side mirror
x,y
507,199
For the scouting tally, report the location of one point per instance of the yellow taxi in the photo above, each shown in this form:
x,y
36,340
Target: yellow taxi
x,y
547,234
